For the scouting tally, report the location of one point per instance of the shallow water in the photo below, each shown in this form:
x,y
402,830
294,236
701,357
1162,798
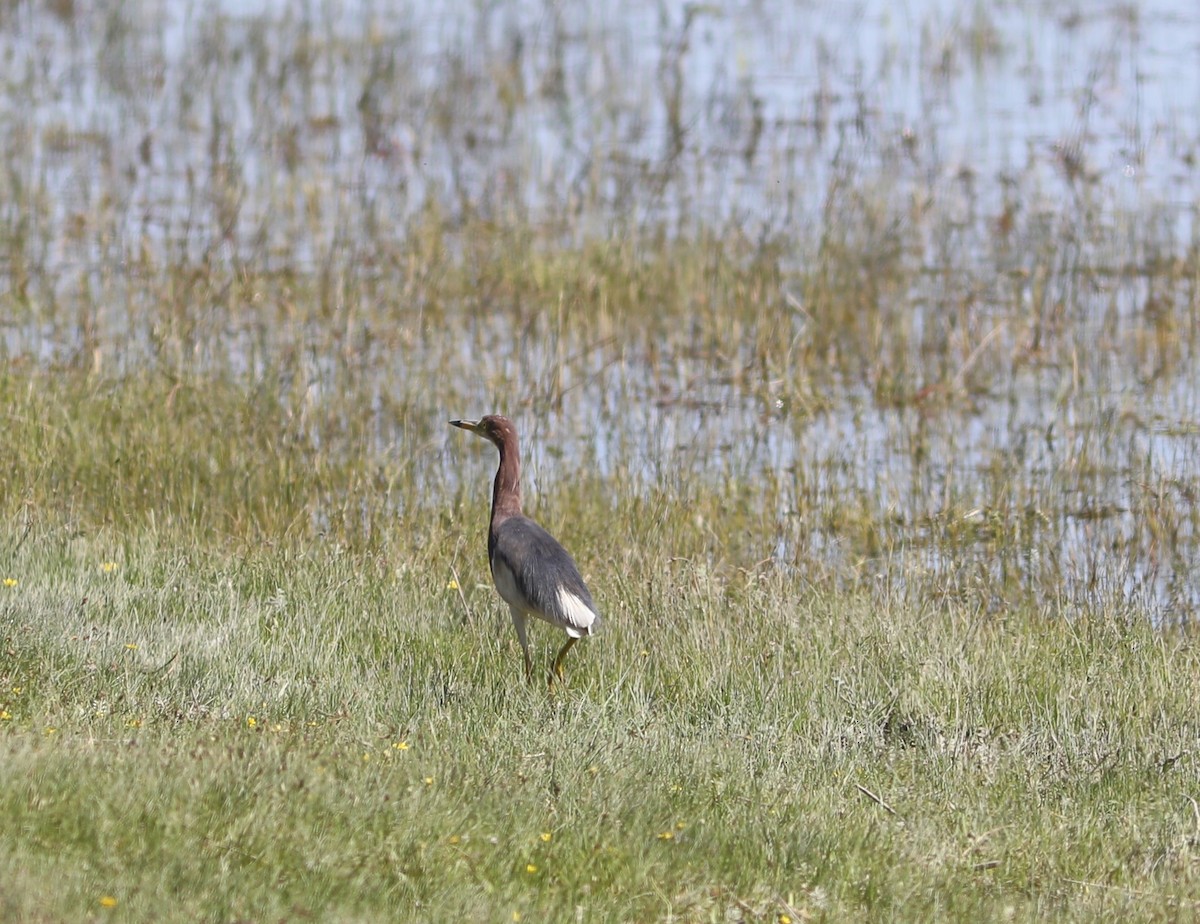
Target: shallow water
x,y
312,139
686,112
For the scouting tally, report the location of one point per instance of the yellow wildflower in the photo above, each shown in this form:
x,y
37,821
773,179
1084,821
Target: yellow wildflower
x,y
251,722
530,868
452,584
107,901
109,567
10,582
666,836
5,715
546,835
400,746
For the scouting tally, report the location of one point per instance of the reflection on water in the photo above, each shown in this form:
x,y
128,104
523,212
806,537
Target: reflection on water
x,y
310,140
274,126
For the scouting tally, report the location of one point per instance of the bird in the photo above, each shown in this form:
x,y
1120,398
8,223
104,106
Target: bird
x,y
532,572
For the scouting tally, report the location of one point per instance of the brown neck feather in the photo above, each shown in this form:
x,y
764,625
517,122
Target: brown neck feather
x,y
506,490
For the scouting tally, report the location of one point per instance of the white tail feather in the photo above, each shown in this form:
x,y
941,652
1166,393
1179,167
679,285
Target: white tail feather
x,y
579,616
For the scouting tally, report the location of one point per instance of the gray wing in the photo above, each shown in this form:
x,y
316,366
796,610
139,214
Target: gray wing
x,y
543,575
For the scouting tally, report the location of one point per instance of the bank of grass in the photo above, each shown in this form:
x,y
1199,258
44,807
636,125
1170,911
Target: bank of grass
x,y
253,668
194,730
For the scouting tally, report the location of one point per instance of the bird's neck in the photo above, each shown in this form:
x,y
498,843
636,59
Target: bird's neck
x,y
506,491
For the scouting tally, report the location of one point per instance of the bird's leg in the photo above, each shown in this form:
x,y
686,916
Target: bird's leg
x,y
557,670
518,619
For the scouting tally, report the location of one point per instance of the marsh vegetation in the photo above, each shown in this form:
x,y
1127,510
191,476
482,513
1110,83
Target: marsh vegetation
x,y
854,355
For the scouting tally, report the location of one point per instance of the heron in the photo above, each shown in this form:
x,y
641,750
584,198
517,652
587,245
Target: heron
x,y
532,572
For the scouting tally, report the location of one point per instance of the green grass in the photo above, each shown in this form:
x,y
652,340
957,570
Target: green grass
x,y
886,482
302,731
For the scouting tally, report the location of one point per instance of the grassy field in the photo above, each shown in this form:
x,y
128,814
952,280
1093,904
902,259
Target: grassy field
x,y
207,715
289,732
884,472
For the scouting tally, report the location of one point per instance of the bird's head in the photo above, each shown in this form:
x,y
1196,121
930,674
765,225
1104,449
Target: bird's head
x,y
494,427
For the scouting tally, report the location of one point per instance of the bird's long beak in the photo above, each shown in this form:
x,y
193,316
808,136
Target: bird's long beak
x,y
472,425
